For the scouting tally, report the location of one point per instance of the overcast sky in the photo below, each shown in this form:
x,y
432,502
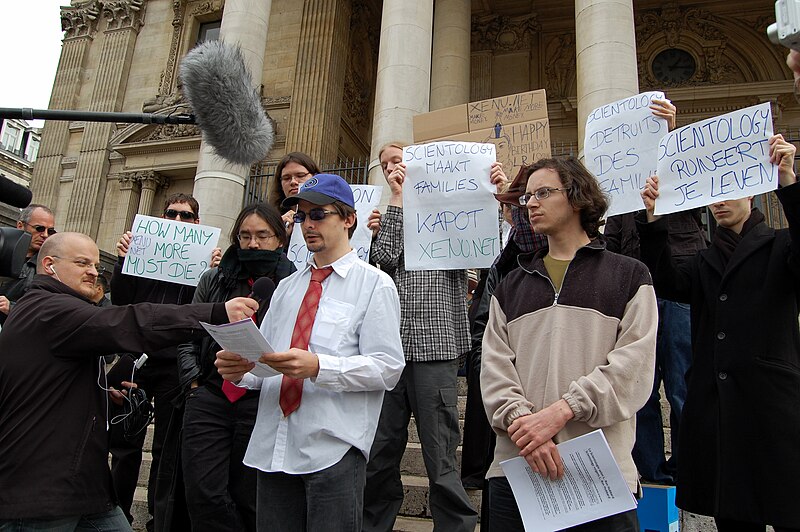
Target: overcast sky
x,y
30,45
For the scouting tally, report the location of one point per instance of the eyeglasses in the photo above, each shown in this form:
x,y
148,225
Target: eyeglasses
x,y
314,214
541,194
261,236
85,264
184,215
42,229
297,177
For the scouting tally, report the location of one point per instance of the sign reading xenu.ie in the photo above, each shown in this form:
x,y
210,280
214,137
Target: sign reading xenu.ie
x,y
621,148
366,198
449,213
169,250
722,158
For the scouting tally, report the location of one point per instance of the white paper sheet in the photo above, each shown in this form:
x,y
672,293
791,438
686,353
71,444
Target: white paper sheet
x,y
244,338
592,486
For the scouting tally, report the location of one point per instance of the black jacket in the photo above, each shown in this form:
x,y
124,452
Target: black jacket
x,y
53,440
14,289
128,289
196,358
740,429
684,230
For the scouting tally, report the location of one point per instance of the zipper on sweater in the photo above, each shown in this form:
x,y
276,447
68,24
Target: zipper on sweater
x,y
556,293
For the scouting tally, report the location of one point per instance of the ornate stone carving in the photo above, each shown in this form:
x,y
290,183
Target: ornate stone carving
x,y
560,65
162,101
80,20
123,14
278,101
210,6
364,43
502,33
152,180
168,74
172,131
128,180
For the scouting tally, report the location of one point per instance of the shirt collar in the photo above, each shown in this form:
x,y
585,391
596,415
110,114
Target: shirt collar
x,y
341,266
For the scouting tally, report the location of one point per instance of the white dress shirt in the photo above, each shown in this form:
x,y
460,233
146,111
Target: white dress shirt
x,y
356,336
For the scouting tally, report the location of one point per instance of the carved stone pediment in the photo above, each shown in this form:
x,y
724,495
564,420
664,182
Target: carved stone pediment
x,y
503,33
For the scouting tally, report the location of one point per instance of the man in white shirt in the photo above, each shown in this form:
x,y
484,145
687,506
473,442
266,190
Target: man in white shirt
x,y
311,445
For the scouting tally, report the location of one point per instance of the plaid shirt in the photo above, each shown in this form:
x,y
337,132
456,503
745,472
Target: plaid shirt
x,y
433,304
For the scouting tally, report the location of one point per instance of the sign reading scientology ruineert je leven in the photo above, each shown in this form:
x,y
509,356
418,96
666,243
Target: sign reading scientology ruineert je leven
x,y
169,250
721,158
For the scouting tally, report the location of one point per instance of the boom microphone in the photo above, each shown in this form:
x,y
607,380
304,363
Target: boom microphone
x,y
13,193
262,290
226,106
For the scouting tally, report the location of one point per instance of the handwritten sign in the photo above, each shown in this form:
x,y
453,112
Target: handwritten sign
x,y
722,158
621,148
449,212
168,250
367,197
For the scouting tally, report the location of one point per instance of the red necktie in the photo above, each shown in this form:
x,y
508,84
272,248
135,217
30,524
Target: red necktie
x,y
231,391
292,389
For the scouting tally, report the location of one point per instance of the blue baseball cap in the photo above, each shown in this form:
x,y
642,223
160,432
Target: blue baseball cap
x,y
322,189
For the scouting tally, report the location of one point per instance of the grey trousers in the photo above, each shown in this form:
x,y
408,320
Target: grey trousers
x,y
329,500
429,391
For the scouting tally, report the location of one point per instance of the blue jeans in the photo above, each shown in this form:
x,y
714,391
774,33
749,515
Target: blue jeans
x,y
673,358
111,521
330,500
501,513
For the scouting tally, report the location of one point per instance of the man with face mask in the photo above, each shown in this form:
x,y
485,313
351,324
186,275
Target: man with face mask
x,y
741,425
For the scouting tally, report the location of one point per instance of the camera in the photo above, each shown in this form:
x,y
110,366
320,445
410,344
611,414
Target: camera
x,y
786,29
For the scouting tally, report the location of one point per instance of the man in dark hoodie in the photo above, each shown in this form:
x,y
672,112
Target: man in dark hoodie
x,y
159,377
53,407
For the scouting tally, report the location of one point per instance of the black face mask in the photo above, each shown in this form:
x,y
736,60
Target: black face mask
x,y
259,262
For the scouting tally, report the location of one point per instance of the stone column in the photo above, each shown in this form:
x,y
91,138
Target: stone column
x,y
606,55
151,181
219,185
403,84
318,89
125,18
129,186
451,53
79,25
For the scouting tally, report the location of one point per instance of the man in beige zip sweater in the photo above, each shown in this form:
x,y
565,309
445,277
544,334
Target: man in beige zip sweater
x,y
570,342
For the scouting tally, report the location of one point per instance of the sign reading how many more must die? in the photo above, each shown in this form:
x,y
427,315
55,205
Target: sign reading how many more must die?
x,y
169,250
721,158
450,218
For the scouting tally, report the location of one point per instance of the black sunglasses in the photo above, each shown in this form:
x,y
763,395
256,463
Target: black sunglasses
x,y
41,229
185,215
314,214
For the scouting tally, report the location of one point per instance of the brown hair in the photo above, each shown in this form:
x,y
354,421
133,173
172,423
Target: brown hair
x,y
344,210
584,192
188,199
275,193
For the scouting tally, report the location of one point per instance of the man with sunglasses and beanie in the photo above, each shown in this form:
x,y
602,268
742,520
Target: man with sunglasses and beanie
x,y
335,326
569,346
158,377
39,221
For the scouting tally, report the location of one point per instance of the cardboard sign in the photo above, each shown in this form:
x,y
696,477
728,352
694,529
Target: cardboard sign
x,y
516,124
450,218
367,197
722,158
621,148
169,250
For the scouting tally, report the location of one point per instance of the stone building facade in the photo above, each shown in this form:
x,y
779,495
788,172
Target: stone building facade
x,y
341,77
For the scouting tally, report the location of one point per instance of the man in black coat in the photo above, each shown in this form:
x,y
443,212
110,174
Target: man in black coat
x,y
740,432
53,407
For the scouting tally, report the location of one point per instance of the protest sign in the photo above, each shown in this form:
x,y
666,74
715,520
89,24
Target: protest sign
x,y
450,218
169,250
367,197
621,148
722,158
516,124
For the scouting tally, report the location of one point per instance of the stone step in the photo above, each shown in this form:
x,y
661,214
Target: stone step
x,y
413,463
415,497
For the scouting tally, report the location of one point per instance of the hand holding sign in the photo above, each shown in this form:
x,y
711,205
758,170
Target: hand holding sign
x,y
781,153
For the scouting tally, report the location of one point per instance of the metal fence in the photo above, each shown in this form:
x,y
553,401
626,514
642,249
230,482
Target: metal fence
x,y
354,171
